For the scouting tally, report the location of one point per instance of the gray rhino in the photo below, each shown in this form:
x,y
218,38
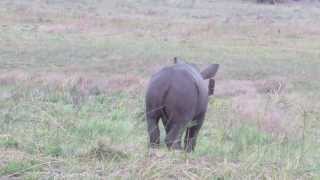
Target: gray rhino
x,y
178,95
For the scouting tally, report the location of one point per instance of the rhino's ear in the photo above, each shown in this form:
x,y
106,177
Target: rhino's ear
x,y
177,60
211,86
210,71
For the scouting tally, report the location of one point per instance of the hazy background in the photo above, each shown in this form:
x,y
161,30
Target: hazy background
x,y
73,75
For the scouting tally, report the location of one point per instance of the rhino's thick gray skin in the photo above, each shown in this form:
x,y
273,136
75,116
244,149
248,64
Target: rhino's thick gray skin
x,y
178,95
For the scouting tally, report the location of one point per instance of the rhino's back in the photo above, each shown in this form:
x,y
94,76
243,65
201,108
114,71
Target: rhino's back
x,y
179,88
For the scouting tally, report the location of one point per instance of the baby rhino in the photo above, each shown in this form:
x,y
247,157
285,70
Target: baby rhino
x,y
178,95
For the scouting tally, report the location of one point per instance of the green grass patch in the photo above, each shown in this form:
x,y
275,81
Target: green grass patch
x,y
8,142
18,168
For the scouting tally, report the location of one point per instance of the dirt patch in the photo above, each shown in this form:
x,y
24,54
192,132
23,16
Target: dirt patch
x,y
8,155
234,88
13,77
126,83
107,26
259,110
85,24
255,101
276,85
85,83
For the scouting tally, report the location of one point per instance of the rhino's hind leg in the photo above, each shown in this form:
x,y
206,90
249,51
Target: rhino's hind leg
x,y
153,129
173,137
175,127
192,133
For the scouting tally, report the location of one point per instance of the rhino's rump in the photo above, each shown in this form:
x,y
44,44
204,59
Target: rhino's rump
x,y
176,92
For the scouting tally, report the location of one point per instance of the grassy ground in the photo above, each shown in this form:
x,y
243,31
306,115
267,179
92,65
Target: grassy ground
x,y
73,76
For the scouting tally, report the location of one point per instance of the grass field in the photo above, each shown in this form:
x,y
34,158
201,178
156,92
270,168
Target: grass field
x,y
73,76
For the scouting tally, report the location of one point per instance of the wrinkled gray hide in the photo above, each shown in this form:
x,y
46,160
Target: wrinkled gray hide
x,y
178,95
